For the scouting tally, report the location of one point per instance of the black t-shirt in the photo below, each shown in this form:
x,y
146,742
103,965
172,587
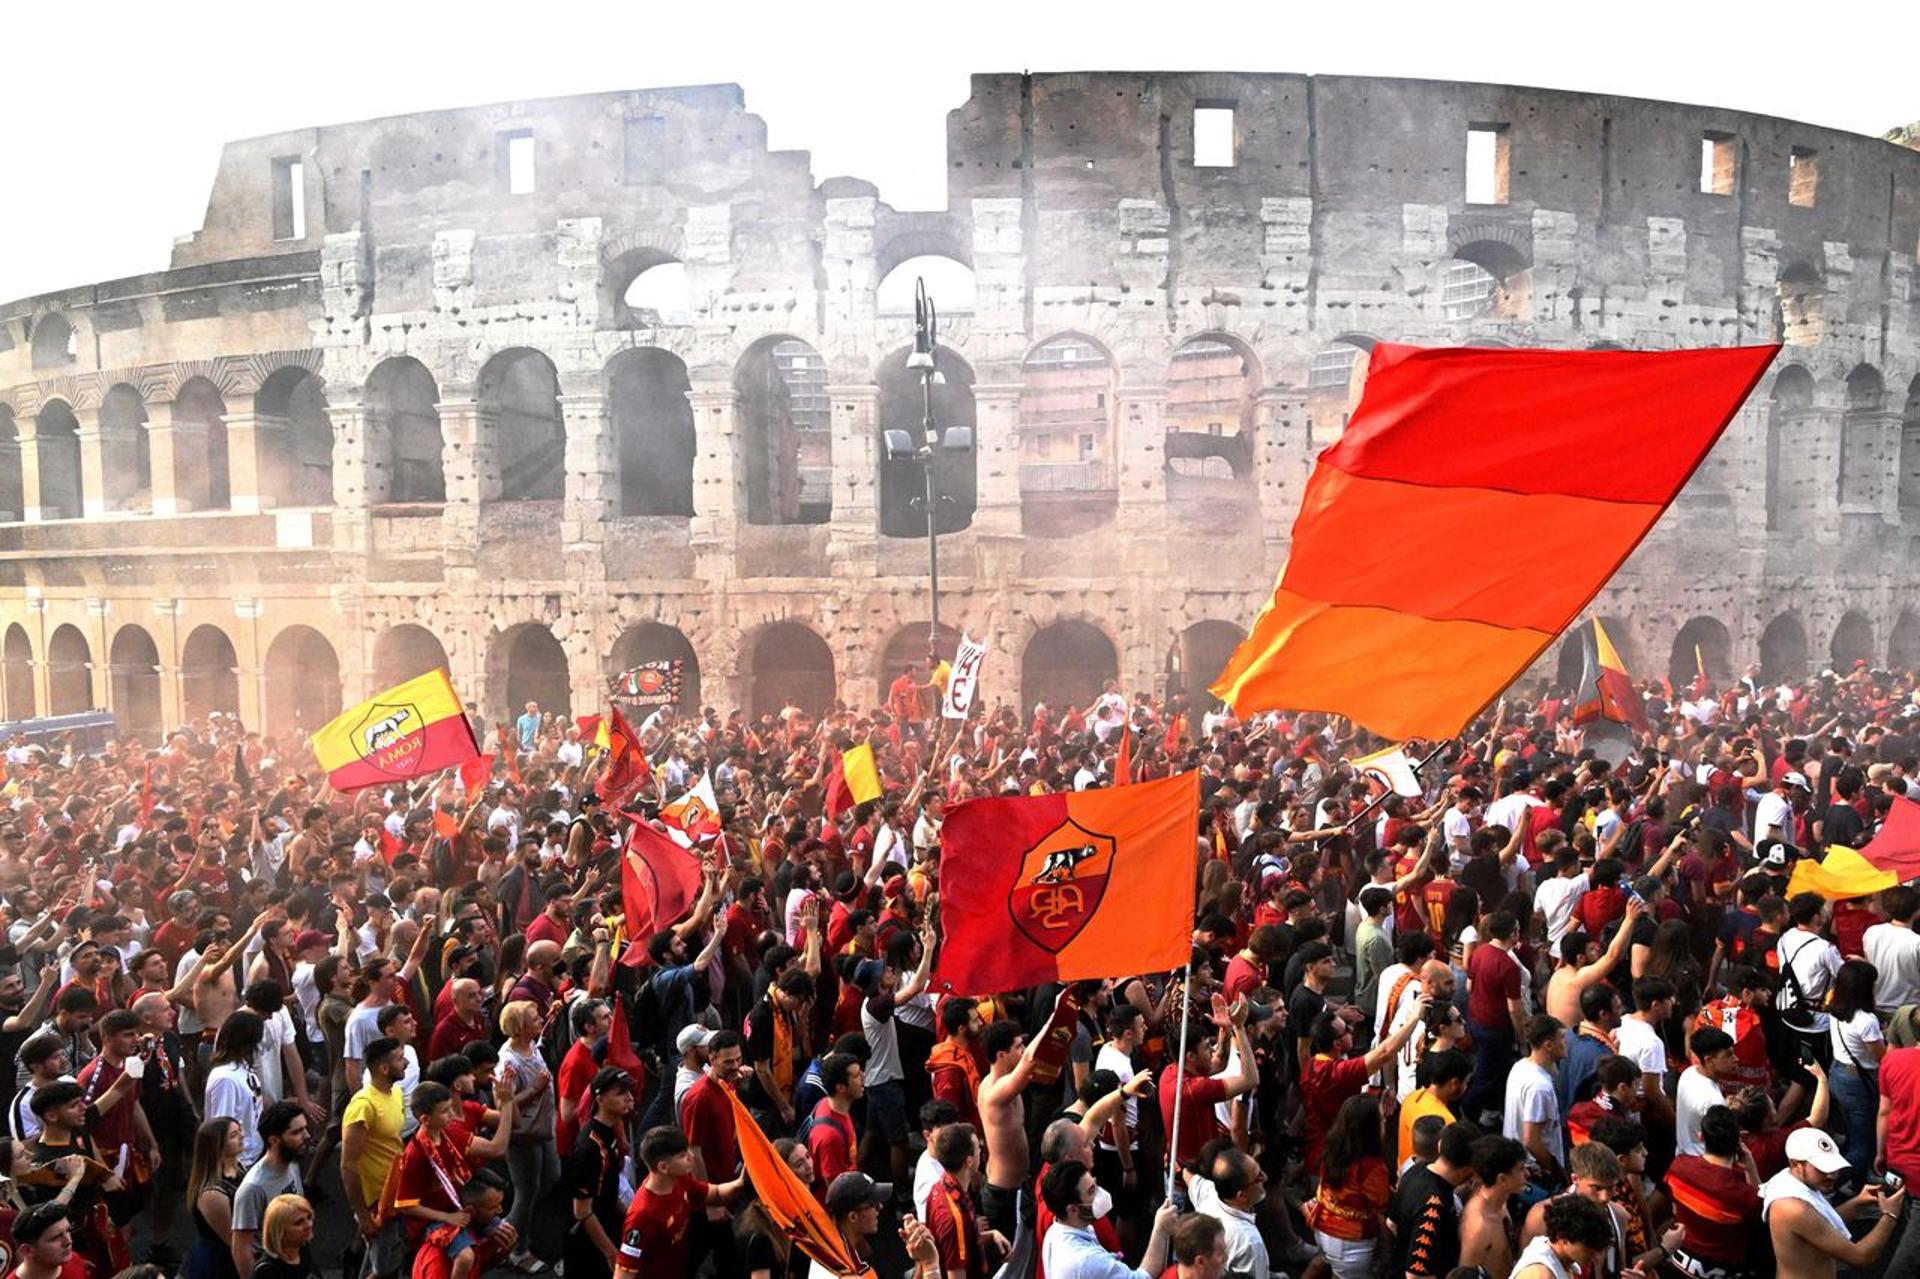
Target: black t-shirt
x,y
271,1267
1842,825
1426,1223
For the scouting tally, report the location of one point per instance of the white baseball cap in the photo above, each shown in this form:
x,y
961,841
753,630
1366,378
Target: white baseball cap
x,y
1811,1146
1795,780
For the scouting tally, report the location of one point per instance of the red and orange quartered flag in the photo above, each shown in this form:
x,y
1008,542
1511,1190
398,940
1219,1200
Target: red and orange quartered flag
x,y
410,731
783,1197
1583,450
1066,887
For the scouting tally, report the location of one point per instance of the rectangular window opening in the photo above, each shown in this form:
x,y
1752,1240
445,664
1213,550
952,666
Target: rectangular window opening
x,y
289,198
1487,163
1213,137
518,160
1803,165
1719,164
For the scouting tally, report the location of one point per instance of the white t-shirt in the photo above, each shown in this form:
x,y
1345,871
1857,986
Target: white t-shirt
x,y
1692,1099
268,1063
1852,1040
926,1175
363,1027
1770,812
1531,1099
1642,1045
1389,978
1815,960
1555,899
308,994
1111,1058
1510,810
1894,952
233,1091
1458,828
1407,1061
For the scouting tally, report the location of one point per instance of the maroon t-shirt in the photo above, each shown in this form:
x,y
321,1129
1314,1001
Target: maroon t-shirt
x,y
656,1239
1199,1124
1493,978
706,1116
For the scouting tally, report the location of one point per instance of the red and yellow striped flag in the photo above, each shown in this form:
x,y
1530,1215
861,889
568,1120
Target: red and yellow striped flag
x,y
410,731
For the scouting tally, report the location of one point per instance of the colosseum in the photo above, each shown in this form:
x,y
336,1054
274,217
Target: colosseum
x,y
544,389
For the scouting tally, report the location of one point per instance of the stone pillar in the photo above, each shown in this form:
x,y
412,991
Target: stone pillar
x,y
257,461
467,459
1281,459
166,442
359,470
853,536
12,458
26,429
592,480
100,669
249,661
95,470
719,480
1140,461
173,702
996,409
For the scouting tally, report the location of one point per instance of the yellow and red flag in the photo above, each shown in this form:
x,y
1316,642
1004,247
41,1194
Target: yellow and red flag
x,y
1576,453
1843,873
855,780
1094,883
408,732
783,1197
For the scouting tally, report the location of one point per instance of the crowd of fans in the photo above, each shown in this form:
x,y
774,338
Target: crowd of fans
x,y
1554,1016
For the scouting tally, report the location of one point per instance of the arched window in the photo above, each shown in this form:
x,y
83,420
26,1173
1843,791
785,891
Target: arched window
x,y
949,283
57,447
1802,295
786,431
403,405
519,403
404,652
209,673
1211,389
13,500
1783,650
1066,665
54,342
1903,644
1787,416
1852,641
526,663
1701,645
653,431
1335,379
133,682
1861,461
654,642
906,649
296,440
302,681
16,665
1068,482
125,451
903,407
790,666
1198,657
201,480
69,672
649,289
1486,279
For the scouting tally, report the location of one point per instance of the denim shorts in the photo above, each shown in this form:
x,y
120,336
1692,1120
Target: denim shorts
x,y
887,1110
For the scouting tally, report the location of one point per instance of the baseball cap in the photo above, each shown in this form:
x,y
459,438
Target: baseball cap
x,y
1796,780
1772,852
694,1036
852,1190
868,974
1805,1145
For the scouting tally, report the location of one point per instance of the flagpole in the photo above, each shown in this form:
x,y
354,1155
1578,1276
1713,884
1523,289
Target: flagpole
x,y
1180,1073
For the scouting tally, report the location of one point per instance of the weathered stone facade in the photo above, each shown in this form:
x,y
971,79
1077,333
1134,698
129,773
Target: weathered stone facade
x,y
393,401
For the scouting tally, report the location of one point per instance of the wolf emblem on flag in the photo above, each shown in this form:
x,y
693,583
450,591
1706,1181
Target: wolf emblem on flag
x,y
388,739
1061,881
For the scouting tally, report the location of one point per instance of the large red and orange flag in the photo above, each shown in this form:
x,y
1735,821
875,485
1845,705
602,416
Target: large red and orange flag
x,y
659,881
1096,883
408,732
784,1198
1558,462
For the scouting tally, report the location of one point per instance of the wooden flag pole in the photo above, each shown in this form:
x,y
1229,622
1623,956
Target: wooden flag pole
x,y
1180,1074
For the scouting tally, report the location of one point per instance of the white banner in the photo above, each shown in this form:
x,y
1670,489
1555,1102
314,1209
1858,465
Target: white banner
x,y
964,683
1392,770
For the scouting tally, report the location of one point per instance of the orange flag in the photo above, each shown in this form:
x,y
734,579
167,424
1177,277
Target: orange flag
x,y
1123,757
1066,887
445,824
790,1204
1583,449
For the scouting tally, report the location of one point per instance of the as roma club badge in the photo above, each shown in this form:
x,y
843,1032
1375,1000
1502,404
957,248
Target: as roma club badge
x,y
1062,879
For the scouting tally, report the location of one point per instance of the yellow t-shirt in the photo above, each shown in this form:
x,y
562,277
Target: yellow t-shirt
x,y
383,1115
1419,1102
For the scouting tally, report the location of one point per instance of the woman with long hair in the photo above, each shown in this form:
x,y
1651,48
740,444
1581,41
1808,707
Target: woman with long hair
x,y
1671,957
533,1160
233,1089
286,1228
214,1175
1858,1046
507,969
1354,1191
768,1249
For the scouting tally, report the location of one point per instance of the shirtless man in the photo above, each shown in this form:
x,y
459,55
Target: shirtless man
x,y
1003,1113
1580,968
1811,1235
1486,1240
209,989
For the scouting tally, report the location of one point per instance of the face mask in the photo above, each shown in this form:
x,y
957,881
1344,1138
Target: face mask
x,y
1102,1202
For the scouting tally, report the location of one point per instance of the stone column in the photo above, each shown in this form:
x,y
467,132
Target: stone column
x,y
719,480
26,429
166,443
467,459
1140,461
1281,458
359,470
592,482
95,498
100,669
996,408
257,461
173,703
12,458
854,532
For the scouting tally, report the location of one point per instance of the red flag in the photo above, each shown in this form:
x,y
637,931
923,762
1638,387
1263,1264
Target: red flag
x,y
1897,846
445,824
627,767
391,845
475,774
620,1044
790,1204
1123,758
839,794
659,881
513,757
589,726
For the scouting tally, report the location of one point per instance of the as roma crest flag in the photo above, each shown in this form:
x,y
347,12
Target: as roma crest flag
x,y
1574,454
411,731
1096,883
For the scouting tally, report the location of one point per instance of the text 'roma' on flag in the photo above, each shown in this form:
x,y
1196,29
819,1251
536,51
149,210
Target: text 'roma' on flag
x,y
1581,449
411,731
1065,887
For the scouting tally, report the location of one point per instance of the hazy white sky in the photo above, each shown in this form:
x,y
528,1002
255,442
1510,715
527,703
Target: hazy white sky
x,y
116,113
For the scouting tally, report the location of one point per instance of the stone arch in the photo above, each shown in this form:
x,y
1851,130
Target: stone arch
x,y
1861,461
647,288
1783,649
1213,387
1066,664
518,395
1199,654
1910,453
302,682
133,682
654,642
947,242
1487,278
1852,640
69,672
294,448
907,645
55,344
126,451
653,431
405,651
1703,641
403,405
1789,409
1800,293
209,673
1068,479
785,432
202,478
525,663
13,498
902,406
789,664
16,674
1903,642
1335,378
56,446
949,280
